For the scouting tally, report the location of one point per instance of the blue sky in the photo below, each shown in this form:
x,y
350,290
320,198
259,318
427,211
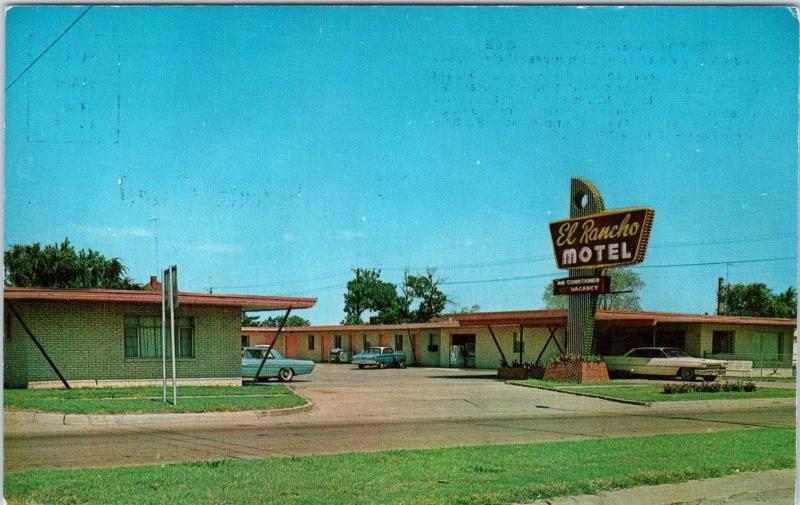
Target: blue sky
x,y
269,150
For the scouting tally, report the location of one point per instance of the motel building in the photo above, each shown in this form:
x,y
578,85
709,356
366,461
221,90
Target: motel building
x,y
475,340
107,337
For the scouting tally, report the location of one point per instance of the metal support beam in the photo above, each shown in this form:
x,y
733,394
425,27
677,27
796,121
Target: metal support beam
x,y
411,340
271,346
41,349
503,362
547,342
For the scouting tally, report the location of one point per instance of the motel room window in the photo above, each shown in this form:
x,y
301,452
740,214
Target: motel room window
x,y
311,342
519,344
433,343
143,337
337,341
245,341
366,341
398,342
723,342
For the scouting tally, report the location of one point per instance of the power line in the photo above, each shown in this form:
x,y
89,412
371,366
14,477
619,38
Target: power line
x,y
49,47
530,259
556,274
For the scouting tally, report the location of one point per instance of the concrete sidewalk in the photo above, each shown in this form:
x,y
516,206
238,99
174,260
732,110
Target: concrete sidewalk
x,y
765,488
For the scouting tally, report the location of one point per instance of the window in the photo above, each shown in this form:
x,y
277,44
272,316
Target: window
x,y
723,342
366,341
143,337
245,341
398,343
337,341
311,342
433,343
519,344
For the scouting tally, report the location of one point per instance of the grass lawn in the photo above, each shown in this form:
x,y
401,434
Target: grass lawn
x,y
149,399
655,392
492,474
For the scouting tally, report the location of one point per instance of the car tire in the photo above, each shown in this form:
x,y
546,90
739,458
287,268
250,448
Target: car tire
x,y
686,374
382,365
360,367
285,375
402,363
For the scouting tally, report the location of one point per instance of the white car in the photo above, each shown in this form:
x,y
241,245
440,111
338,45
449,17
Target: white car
x,y
665,361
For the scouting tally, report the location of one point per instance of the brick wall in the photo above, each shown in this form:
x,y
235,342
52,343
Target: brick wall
x,y
86,341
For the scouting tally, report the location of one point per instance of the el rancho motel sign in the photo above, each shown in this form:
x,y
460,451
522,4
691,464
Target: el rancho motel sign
x,y
603,240
591,240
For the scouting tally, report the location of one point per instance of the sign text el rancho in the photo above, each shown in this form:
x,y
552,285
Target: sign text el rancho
x,y
606,239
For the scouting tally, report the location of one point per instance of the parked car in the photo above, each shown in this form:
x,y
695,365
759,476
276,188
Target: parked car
x,y
665,361
277,365
380,357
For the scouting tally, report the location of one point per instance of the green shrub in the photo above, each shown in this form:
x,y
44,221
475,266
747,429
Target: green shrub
x,y
709,387
565,359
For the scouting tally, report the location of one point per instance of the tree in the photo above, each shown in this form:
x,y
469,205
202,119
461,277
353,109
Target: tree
x,y
622,279
59,266
758,300
470,309
273,322
432,300
367,292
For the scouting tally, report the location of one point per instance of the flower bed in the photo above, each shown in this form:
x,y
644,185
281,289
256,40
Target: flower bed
x,y
709,387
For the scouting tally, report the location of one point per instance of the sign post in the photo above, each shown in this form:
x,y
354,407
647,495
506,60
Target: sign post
x,y
164,333
169,294
173,298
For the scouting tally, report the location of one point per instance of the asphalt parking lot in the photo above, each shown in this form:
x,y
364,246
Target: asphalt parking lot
x,y
343,392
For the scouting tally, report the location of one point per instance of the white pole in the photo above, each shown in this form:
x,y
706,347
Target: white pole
x,y
172,322
164,335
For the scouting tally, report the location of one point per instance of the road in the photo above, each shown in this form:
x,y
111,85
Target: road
x,y
372,411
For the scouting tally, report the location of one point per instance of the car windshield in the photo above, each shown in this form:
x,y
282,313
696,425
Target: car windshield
x,y
373,350
676,353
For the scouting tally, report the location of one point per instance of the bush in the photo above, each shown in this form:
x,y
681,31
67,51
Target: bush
x,y
565,359
709,387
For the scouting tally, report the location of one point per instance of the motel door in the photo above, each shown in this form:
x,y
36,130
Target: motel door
x,y
462,351
766,347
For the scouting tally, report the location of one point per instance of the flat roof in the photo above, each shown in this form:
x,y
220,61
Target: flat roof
x,y
354,327
558,317
244,302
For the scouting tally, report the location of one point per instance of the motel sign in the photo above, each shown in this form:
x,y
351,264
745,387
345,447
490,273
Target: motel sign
x,y
602,240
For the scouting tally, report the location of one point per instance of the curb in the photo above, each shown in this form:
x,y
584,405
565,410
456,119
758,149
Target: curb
x,y
579,393
112,419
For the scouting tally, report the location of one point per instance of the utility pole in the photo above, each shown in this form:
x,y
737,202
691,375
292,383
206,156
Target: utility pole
x,y
720,295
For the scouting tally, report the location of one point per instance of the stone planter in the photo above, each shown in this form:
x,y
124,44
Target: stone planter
x,y
516,373
519,373
576,372
536,372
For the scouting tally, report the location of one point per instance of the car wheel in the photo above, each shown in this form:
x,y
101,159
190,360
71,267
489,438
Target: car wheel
x,y
360,367
285,374
686,374
402,363
382,365
710,378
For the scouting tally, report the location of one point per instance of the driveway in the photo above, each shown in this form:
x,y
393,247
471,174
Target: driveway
x,y
343,393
